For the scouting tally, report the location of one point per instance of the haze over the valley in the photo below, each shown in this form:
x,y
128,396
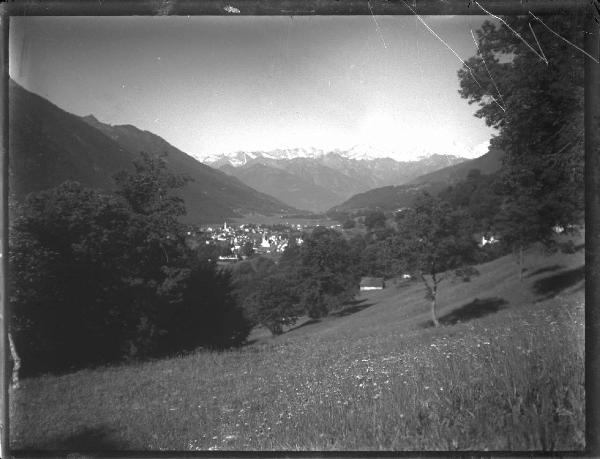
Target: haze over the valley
x,y
381,87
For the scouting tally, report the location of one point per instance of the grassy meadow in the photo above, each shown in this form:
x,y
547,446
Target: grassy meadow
x,y
504,372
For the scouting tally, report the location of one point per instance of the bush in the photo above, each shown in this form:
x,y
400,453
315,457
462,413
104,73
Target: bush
x,y
349,224
275,302
207,313
96,278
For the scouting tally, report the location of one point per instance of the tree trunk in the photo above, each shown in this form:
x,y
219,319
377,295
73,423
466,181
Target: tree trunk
x,y
16,363
434,304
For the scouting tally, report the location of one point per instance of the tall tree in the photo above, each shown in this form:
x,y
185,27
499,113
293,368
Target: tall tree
x,y
328,269
528,83
97,277
68,251
433,243
275,301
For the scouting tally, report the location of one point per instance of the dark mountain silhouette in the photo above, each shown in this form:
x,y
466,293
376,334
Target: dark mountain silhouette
x,y
395,197
487,164
49,145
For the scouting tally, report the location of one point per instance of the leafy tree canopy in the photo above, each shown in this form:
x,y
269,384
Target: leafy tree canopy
x,y
533,94
96,277
433,242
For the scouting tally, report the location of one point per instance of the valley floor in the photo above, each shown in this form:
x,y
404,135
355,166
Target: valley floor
x,y
504,372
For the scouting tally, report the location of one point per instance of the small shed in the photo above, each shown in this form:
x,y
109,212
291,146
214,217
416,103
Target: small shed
x,y
372,283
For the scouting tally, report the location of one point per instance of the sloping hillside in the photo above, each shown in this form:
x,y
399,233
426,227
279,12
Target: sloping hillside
x,y
504,372
403,306
393,197
387,198
289,188
49,146
487,164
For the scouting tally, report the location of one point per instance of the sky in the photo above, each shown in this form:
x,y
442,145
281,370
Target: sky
x,y
211,85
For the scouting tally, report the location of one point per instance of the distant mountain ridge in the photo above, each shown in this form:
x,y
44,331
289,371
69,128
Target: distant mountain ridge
x,y
393,197
318,180
48,145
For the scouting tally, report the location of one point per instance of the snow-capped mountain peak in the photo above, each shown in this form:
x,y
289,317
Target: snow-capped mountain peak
x,y
359,152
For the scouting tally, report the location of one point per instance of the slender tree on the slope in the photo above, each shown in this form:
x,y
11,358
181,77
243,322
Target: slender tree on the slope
x,y
433,243
530,88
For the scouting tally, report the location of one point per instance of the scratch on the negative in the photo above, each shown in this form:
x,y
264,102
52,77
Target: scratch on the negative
x,y
513,31
538,43
564,39
453,52
376,24
490,75
435,34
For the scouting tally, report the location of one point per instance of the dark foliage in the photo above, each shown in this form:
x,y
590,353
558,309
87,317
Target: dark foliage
x,y
327,267
435,242
314,278
275,302
537,106
384,257
349,224
374,220
479,198
207,313
97,278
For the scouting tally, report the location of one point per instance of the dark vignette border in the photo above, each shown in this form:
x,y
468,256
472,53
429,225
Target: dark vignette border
x,y
331,7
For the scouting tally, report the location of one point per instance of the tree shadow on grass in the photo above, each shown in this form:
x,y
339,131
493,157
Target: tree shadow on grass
x,y
99,438
473,310
552,285
545,269
308,322
352,307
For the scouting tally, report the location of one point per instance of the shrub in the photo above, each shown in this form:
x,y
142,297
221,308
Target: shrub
x,y
96,278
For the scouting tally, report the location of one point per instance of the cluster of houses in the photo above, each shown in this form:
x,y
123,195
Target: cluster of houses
x,y
238,242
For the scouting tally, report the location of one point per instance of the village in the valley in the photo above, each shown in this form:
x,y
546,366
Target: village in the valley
x,y
239,242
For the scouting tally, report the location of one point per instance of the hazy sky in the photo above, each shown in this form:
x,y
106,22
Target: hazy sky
x,y
211,85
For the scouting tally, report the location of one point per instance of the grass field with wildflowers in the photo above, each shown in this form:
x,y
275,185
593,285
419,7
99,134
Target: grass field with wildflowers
x,y
504,372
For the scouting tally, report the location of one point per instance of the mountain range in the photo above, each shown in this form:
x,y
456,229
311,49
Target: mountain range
x,y
394,197
316,180
48,145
